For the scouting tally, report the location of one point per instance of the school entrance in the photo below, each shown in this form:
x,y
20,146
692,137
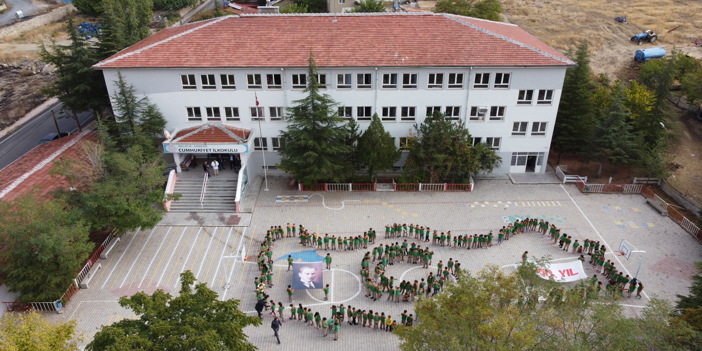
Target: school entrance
x,y
211,167
527,162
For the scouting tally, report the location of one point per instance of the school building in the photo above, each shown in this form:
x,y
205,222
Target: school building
x,y
224,84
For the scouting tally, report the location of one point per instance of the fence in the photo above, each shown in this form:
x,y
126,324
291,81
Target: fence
x,y
674,214
387,181
610,188
568,178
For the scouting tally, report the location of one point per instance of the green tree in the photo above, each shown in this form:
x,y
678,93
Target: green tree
x,y
294,8
313,6
376,148
351,157
44,244
173,5
315,136
614,142
136,121
370,6
88,7
32,332
194,320
124,23
442,150
690,306
78,86
486,9
575,119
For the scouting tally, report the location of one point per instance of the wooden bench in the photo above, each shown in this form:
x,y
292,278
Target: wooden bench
x,y
109,247
655,204
85,283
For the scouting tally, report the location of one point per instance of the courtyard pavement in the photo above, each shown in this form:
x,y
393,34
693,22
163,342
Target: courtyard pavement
x,y
151,259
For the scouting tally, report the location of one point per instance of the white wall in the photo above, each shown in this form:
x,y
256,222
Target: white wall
x,y
163,88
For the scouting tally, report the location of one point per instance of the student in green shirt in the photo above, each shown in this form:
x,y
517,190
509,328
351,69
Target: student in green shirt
x,y
326,292
290,262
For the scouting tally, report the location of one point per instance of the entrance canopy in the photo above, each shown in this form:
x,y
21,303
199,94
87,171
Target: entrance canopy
x,y
210,138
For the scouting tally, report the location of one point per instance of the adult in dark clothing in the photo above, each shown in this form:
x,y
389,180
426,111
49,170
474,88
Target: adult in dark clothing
x,y
259,307
237,163
275,325
205,166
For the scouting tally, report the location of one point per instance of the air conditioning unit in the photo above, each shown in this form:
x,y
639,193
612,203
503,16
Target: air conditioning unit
x,y
482,111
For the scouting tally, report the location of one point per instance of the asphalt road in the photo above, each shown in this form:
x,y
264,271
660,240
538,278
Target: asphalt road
x,y
27,136
27,7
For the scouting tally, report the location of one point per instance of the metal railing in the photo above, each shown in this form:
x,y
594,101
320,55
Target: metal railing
x,y
202,192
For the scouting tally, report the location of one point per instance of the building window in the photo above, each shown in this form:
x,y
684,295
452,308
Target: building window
x,y
455,80
525,97
477,113
502,80
346,112
545,97
432,109
389,113
260,144
493,143
257,114
476,141
364,81
404,144
436,81
390,80
408,113
519,128
253,81
213,114
453,112
231,114
227,81
299,81
274,81
409,80
276,113
188,81
194,114
342,1
520,158
538,128
497,113
276,143
343,81
363,113
482,81
208,81
322,80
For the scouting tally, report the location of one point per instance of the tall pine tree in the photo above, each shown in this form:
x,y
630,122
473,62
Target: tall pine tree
x,y
376,148
614,142
574,122
315,136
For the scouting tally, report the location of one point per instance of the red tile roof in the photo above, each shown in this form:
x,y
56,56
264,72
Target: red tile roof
x,y
211,133
339,40
28,172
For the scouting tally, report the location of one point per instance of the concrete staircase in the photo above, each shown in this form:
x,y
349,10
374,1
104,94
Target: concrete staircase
x,y
219,195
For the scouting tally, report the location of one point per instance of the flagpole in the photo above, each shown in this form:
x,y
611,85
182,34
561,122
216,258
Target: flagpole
x,y
263,151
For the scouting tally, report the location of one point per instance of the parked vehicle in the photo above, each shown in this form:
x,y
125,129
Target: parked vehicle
x,y
647,54
648,36
51,137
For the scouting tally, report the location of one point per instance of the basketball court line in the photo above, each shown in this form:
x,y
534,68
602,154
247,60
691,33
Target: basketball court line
x,y
228,279
146,271
609,248
202,262
168,263
221,256
185,261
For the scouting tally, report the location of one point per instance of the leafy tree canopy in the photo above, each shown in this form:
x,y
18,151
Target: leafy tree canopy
x,y
376,148
32,332
313,6
690,306
294,8
442,150
44,245
486,9
124,22
495,310
194,320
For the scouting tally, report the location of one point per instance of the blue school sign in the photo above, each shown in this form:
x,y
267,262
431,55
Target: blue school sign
x,y
189,148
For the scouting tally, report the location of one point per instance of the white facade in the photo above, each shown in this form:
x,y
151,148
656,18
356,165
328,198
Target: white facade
x,y
513,108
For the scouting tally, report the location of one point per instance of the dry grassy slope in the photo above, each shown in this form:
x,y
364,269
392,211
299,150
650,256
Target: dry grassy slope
x,y
563,24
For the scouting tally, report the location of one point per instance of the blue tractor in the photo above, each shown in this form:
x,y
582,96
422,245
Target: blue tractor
x,y
648,36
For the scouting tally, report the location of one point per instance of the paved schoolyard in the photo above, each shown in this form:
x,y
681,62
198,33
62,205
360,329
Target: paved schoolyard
x,y
152,259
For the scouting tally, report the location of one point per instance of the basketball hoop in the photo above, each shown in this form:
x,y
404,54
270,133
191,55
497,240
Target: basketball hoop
x,y
619,253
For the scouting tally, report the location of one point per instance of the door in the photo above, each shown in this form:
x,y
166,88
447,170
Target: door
x,y
531,163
